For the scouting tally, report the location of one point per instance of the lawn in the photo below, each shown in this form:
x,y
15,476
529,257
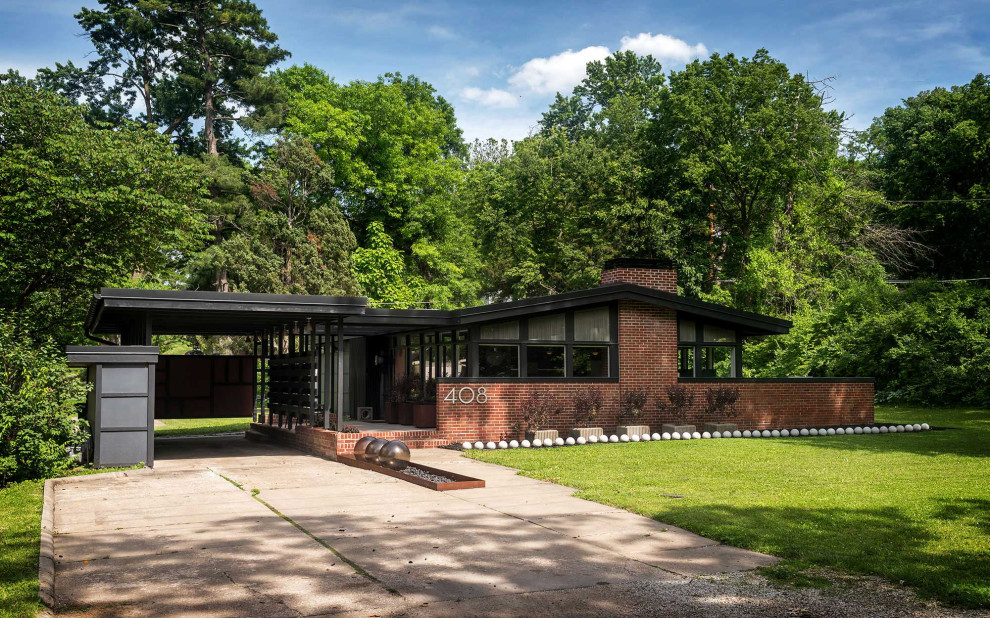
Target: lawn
x,y
201,426
20,538
908,507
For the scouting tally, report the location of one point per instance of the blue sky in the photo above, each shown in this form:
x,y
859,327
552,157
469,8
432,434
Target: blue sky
x,y
499,63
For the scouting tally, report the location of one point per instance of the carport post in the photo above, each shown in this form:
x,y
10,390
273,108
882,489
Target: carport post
x,y
340,373
327,376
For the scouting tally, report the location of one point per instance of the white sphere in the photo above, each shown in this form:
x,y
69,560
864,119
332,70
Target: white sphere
x,y
775,434
840,431
813,431
537,443
822,432
467,446
756,434
503,444
675,436
581,440
766,433
559,442
857,430
785,433
645,437
657,436
525,444
634,437
716,434
805,432
874,430
613,438
892,429
696,436
623,438
593,439
925,427
479,445
667,436
513,444
916,427
706,435
900,429
830,431
909,428
747,434
491,446
737,434
570,441
685,435
883,429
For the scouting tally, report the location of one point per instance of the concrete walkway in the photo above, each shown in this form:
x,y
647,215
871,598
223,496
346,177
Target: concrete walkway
x,y
227,527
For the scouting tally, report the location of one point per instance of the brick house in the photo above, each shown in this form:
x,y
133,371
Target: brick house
x,y
323,363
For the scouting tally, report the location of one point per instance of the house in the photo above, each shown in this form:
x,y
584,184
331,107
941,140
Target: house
x,y
313,354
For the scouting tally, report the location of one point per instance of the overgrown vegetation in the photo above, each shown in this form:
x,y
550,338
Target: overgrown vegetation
x,y
912,508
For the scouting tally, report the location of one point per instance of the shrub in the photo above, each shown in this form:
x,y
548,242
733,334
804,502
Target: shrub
x,y
679,401
430,390
633,402
401,390
38,397
720,402
588,404
537,410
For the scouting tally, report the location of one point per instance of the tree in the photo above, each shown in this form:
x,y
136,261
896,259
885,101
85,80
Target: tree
x,y
296,241
932,155
83,207
381,271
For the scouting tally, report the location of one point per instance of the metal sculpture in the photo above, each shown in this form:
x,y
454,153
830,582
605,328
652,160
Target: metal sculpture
x,y
361,446
373,451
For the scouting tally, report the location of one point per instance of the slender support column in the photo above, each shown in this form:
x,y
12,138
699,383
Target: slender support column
x,y
340,373
327,376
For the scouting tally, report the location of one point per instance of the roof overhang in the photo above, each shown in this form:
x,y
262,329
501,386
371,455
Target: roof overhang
x,y
173,312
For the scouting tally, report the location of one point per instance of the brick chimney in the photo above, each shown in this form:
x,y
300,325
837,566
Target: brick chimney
x,y
649,273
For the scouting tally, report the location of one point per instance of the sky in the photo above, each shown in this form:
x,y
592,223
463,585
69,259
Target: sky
x,y
500,63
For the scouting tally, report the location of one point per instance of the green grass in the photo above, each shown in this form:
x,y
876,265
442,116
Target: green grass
x,y
20,538
201,426
913,508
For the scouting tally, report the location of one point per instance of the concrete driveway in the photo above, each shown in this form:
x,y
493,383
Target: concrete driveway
x,y
227,527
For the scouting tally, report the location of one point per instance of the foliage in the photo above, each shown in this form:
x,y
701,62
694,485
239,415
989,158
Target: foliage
x,y
588,404
401,390
82,207
931,156
916,514
720,402
430,390
38,395
679,401
380,270
632,402
538,410
396,155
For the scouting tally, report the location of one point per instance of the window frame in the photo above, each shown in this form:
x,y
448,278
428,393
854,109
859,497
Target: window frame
x,y
699,344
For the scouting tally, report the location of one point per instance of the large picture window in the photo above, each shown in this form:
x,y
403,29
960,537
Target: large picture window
x,y
590,361
545,361
547,328
592,325
707,350
498,361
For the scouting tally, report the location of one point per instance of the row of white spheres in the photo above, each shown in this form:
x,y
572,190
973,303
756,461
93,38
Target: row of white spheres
x,y
766,433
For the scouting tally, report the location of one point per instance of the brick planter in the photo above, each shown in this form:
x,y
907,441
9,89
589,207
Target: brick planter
x,y
405,413
425,415
392,412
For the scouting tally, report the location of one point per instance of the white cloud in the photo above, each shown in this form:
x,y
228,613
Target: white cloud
x,y
493,97
557,73
441,32
662,47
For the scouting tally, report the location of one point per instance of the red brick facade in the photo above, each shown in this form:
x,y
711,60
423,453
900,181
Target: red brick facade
x,y
656,278
329,444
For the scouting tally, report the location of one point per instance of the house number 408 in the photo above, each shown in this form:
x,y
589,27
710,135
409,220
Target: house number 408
x,y
467,394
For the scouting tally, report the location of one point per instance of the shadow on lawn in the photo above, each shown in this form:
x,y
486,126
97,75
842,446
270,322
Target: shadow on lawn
x,y
952,441
884,541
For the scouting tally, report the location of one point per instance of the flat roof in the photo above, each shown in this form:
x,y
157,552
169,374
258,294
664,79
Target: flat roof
x,y
180,312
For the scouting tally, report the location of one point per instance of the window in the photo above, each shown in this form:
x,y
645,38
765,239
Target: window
x,y
415,363
446,361
718,334
590,361
545,361
547,328
716,362
686,331
498,361
685,361
461,361
503,331
592,325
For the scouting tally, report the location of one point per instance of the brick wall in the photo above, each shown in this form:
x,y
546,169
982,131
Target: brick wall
x,y
658,279
326,443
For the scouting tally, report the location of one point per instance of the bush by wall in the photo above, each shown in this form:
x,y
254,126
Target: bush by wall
x,y
38,395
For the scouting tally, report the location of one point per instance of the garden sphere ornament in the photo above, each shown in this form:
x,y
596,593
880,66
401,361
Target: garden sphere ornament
x,y
395,455
479,445
917,427
892,429
716,434
657,436
372,452
667,436
361,446
775,434
634,437
558,442
766,433
925,427
570,441
593,439
747,434
805,432
503,444
645,437
909,428
513,444
785,433
581,440
613,438
858,430
491,446
696,436
675,436
900,429
706,436
883,429
467,446
813,431
737,434
830,431
874,430
840,431
525,444
623,438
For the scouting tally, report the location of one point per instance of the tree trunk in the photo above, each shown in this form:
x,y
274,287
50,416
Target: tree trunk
x,y
209,119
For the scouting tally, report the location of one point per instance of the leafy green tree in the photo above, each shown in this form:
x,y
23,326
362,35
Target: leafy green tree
x,y
932,155
37,408
396,155
380,269
83,207
297,241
